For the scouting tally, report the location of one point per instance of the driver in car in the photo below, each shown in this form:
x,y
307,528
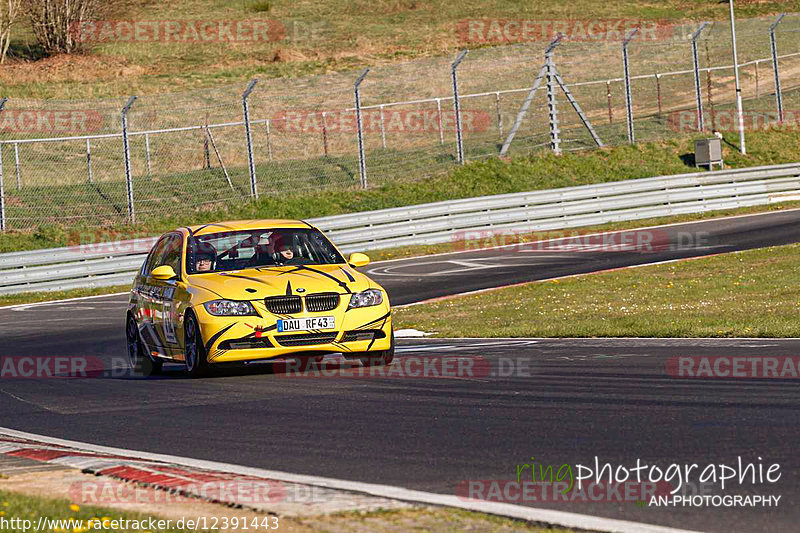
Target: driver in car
x,y
286,255
204,257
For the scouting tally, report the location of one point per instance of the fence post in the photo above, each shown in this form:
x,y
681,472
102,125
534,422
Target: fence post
x,y
457,106
758,81
206,151
269,143
16,166
250,161
774,47
658,93
147,153
2,192
552,110
701,123
127,149
499,114
528,99
324,135
439,119
610,109
362,166
628,96
89,160
383,129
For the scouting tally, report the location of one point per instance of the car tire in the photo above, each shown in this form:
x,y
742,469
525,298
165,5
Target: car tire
x,y
194,350
140,362
382,358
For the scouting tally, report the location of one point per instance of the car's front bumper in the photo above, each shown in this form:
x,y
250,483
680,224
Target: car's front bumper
x,y
251,338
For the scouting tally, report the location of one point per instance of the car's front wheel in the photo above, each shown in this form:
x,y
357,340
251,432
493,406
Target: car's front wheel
x,y
381,358
139,361
194,351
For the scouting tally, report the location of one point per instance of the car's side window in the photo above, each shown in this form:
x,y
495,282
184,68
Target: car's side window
x,y
153,260
173,252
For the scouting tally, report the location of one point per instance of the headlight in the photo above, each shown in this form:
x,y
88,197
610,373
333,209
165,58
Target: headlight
x,y
367,298
229,308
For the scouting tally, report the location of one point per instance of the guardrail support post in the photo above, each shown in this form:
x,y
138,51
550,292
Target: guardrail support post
x,y
628,95
127,149
774,48
251,165
362,166
457,105
698,92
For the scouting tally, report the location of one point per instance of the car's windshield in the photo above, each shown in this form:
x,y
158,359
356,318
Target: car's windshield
x,y
236,250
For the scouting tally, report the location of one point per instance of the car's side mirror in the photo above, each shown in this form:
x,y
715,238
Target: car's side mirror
x,y
358,260
164,272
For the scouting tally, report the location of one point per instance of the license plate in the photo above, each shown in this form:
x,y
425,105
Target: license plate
x,y
306,324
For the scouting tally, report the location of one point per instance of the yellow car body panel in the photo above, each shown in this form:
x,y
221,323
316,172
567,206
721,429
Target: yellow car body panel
x,y
160,307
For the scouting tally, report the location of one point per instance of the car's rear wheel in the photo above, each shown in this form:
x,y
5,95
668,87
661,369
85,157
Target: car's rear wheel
x,y
194,351
140,363
381,358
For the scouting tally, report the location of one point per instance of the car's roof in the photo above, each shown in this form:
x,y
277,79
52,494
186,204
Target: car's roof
x,y
239,225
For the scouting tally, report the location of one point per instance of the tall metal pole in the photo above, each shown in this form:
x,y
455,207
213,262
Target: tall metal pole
x,y
457,106
528,99
250,159
628,95
739,111
774,46
701,123
127,149
2,192
552,109
362,166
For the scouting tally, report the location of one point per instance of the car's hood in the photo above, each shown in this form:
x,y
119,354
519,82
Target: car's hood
x,y
254,284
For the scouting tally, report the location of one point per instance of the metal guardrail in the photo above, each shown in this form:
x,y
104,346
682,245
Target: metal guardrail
x,y
105,264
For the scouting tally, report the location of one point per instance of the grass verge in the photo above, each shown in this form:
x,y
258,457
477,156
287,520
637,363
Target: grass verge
x,y
23,512
319,37
754,293
25,507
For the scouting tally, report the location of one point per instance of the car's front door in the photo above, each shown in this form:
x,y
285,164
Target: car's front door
x,y
164,295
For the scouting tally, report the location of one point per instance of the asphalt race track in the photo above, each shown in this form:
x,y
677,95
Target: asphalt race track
x,y
560,401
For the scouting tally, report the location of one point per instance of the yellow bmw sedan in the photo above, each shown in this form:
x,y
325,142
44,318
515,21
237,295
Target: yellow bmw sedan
x,y
253,290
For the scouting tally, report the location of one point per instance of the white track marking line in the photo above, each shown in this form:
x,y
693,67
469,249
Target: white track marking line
x,y
56,302
560,518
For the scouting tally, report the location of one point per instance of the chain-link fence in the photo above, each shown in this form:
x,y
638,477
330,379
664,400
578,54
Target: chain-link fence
x,y
66,162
